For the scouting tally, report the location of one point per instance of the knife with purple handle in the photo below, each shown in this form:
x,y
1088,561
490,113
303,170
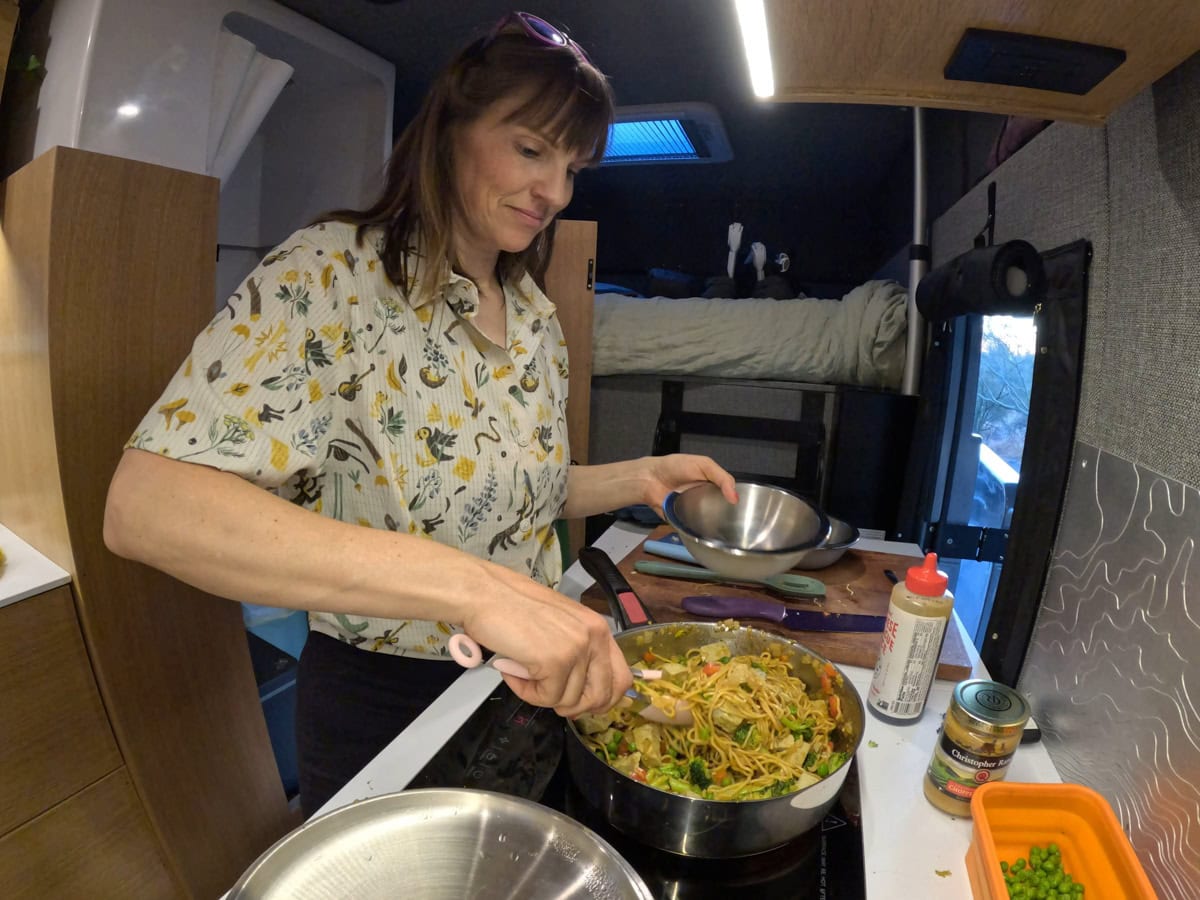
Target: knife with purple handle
x,y
718,607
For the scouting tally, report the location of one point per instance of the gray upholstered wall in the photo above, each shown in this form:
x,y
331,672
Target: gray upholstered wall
x,y
1113,671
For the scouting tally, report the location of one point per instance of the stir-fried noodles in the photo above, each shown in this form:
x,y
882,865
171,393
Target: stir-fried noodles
x,y
756,733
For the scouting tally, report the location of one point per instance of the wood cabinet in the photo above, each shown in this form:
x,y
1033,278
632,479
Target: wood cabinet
x,y
97,844
106,276
71,824
9,13
569,284
56,734
895,51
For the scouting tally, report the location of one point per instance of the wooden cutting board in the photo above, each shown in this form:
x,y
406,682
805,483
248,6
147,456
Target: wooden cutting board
x,y
856,583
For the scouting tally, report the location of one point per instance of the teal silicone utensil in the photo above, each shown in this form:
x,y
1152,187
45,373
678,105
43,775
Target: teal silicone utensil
x,y
786,584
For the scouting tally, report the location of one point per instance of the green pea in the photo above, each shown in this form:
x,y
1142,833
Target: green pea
x,y
1040,875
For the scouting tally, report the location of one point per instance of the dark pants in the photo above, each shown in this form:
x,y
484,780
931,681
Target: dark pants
x,y
351,703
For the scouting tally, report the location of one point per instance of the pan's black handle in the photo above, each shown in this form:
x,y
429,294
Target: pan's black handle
x,y
627,608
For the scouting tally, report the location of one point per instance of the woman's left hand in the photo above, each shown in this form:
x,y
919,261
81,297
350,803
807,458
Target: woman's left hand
x,y
599,489
678,471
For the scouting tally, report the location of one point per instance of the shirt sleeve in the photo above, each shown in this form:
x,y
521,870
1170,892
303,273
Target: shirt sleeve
x,y
254,397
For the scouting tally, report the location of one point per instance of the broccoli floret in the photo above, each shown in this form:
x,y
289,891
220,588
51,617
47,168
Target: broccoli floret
x,y
779,788
744,735
799,729
698,773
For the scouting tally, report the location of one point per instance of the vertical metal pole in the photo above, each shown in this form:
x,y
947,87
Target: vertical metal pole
x,y
918,261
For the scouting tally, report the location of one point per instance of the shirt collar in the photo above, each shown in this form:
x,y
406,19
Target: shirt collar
x,y
526,300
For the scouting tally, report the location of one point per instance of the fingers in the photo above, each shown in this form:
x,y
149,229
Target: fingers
x,y
574,665
570,701
590,681
608,676
722,479
679,471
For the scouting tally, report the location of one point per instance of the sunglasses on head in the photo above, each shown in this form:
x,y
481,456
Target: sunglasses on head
x,y
537,29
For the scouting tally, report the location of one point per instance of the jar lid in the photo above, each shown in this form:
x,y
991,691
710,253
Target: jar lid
x,y
925,579
991,706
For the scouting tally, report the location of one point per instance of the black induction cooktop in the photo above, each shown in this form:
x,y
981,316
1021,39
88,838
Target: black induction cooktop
x,y
513,748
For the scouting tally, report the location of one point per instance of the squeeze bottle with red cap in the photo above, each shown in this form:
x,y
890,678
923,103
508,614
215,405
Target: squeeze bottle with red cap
x,y
918,615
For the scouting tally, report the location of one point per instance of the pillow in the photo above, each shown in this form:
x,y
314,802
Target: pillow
x,y
669,283
720,287
775,287
607,287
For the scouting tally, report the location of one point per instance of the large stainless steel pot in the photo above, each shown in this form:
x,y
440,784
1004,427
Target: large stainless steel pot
x,y
441,844
711,828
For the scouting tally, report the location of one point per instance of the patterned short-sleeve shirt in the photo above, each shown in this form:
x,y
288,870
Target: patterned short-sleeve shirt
x,y
323,381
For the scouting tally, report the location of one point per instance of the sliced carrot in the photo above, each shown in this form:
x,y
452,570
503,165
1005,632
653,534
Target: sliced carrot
x,y
712,668
719,774
639,774
834,706
648,656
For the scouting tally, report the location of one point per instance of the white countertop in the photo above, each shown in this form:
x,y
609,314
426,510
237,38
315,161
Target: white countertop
x,y
27,572
906,841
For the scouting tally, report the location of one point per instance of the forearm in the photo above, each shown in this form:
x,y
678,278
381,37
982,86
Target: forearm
x,y
231,538
592,490
598,489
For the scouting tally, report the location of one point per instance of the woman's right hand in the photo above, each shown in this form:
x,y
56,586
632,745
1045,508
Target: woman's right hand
x,y
575,666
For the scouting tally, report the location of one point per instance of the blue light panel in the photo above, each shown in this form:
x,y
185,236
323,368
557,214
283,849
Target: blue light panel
x,y
655,140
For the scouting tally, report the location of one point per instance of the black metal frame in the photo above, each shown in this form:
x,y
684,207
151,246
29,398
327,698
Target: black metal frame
x,y
1059,313
1045,463
808,434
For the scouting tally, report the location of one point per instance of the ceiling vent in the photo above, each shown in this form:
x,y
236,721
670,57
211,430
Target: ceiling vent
x,y
667,133
1031,61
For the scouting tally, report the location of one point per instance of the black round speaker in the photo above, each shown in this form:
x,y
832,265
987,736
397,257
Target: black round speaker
x,y
1004,279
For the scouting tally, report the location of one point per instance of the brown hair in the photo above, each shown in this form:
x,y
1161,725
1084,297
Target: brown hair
x,y
569,100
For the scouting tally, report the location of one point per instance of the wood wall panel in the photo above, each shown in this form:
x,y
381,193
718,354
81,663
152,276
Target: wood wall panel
x,y
96,845
31,501
894,51
126,281
56,738
567,286
9,13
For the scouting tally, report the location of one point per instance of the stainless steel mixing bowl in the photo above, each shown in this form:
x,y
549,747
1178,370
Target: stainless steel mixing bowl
x,y
761,535
441,844
842,536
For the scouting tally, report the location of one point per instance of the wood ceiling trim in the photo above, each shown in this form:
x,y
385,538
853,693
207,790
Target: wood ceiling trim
x,y
894,51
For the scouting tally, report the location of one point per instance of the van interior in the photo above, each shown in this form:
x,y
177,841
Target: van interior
x,y
957,316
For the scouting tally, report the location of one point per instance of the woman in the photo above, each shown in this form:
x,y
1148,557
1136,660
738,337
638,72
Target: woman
x,y
398,368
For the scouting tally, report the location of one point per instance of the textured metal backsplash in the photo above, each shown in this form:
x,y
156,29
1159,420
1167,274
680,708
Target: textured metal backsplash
x,y
1113,671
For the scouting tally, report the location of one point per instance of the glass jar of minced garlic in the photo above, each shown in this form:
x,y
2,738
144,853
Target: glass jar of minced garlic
x,y
980,734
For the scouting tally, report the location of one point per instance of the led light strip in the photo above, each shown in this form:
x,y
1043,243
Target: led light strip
x,y
752,18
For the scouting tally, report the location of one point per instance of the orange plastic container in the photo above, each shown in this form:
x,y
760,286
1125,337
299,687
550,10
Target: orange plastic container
x,y
1009,817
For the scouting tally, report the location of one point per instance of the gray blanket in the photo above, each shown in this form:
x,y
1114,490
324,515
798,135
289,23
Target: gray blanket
x,y
858,340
